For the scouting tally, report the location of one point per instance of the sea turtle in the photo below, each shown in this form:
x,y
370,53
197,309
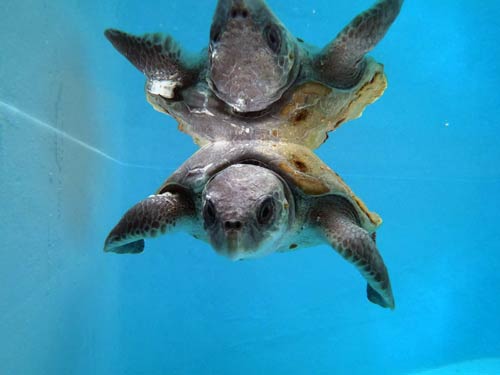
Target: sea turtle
x,y
257,81
252,198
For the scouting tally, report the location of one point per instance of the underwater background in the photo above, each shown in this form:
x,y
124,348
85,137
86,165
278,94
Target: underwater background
x,y
79,145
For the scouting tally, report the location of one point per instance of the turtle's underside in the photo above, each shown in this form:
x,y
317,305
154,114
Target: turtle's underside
x,y
258,81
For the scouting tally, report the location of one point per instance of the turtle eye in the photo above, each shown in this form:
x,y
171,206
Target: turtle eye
x,y
273,37
209,213
265,212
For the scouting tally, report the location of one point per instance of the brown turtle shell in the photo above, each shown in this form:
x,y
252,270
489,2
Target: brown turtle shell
x,y
304,172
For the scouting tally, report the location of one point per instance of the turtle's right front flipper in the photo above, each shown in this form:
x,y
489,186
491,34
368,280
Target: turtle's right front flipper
x,y
159,57
152,216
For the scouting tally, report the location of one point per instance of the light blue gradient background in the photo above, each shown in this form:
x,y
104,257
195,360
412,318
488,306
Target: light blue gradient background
x,y
79,144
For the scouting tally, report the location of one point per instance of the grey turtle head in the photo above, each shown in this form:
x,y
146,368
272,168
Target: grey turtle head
x,y
252,57
245,211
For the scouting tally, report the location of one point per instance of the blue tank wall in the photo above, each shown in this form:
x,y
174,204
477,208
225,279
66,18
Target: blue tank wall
x,y
79,145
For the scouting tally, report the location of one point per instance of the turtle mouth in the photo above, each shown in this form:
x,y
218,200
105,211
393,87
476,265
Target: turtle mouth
x,y
235,244
233,240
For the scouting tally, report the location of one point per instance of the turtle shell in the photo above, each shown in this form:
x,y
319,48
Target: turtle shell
x,y
304,172
304,115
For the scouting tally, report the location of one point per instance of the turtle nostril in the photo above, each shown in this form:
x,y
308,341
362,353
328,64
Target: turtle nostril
x,y
232,224
239,12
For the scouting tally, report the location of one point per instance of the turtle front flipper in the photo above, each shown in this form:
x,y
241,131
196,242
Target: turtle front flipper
x,y
152,216
338,222
341,62
158,57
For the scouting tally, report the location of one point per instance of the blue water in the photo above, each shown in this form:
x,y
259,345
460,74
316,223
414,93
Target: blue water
x,y
79,145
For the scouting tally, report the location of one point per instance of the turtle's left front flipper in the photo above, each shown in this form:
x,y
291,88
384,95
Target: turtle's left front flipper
x,y
338,222
159,57
152,216
342,61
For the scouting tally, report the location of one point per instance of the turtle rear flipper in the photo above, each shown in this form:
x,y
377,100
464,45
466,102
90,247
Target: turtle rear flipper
x,y
159,57
152,216
342,61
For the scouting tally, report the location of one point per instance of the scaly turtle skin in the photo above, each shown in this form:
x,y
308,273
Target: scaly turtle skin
x,y
260,82
252,198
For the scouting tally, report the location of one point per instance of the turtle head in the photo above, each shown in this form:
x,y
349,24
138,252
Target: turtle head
x,y
245,211
252,57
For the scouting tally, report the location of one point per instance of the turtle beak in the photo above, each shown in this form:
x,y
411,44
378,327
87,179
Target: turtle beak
x,y
232,231
233,235
233,241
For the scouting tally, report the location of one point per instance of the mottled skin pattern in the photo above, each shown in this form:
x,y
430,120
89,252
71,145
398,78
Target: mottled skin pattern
x,y
248,199
159,57
155,215
258,81
342,62
354,244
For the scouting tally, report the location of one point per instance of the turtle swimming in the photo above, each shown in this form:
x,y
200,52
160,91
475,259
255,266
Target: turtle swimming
x,y
256,142
257,81
251,198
